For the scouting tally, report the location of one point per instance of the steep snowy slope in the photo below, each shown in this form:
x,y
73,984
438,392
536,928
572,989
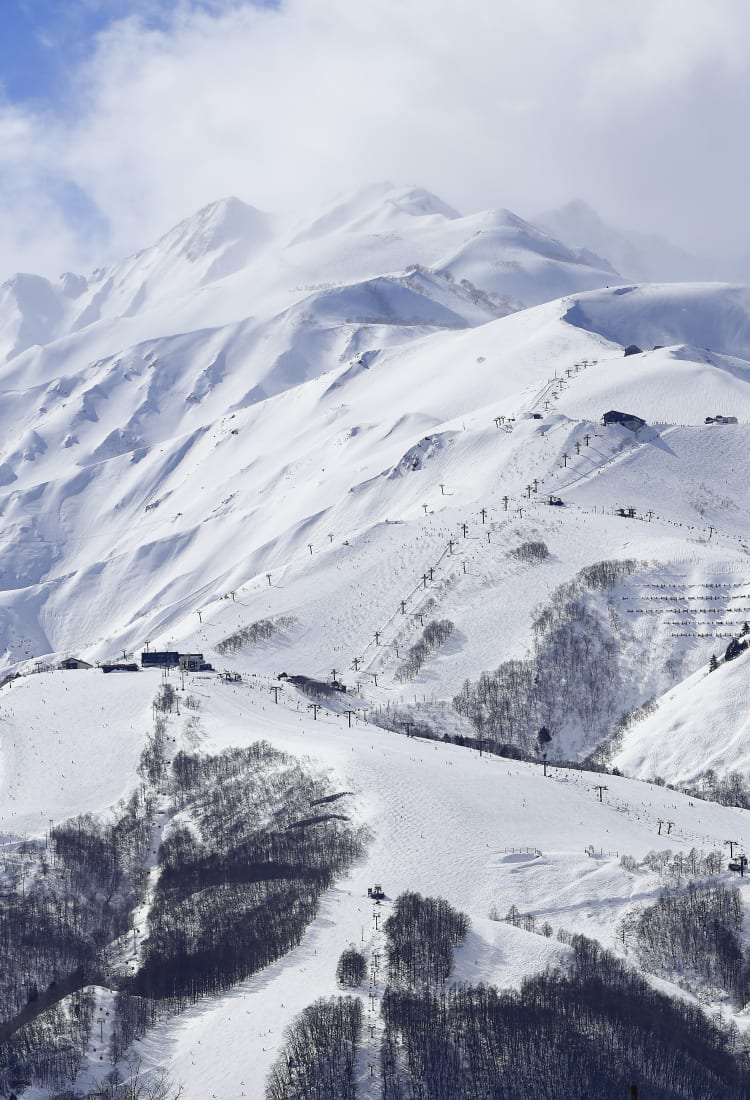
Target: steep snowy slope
x,y
378,207
156,481
219,240
514,258
701,724
709,316
32,311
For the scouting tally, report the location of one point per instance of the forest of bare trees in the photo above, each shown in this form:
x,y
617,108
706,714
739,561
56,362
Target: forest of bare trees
x,y
262,838
436,633
696,929
238,886
573,673
589,1030
316,1061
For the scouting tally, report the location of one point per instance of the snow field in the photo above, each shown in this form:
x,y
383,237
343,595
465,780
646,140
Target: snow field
x,y
69,743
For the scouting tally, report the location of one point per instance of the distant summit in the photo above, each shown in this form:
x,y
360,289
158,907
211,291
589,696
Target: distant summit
x,y
637,256
377,208
220,239
224,224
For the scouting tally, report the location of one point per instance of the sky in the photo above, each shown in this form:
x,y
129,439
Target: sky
x,y
120,117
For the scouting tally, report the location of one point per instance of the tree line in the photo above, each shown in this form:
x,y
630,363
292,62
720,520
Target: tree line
x,y
421,936
66,906
436,633
696,929
253,633
588,1027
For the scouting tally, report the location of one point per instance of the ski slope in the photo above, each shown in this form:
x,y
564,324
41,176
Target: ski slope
x,y
445,822
69,747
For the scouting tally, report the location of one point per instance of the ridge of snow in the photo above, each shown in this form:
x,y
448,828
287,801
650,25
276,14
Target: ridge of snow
x,y
376,209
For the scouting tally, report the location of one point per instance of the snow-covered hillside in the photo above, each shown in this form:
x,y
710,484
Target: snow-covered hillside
x,y
293,445
487,834
701,725
483,832
150,484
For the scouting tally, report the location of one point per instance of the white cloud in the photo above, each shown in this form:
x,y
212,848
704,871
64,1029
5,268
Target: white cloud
x,y
638,108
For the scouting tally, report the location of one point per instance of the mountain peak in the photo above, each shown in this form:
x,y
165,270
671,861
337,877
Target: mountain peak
x,y
419,202
224,222
577,216
379,208
581,208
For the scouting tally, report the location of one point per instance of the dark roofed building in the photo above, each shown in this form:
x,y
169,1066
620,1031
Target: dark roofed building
x,y
628,420
160,659
73,662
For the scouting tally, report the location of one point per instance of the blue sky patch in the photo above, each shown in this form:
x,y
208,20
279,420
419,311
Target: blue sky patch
x,y
43,41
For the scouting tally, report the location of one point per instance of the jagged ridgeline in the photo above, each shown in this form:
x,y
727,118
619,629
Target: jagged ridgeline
x,y
574,679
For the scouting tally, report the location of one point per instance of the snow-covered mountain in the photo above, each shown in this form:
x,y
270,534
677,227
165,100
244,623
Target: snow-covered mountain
x,y
230,262
294,445
142,484
639,256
